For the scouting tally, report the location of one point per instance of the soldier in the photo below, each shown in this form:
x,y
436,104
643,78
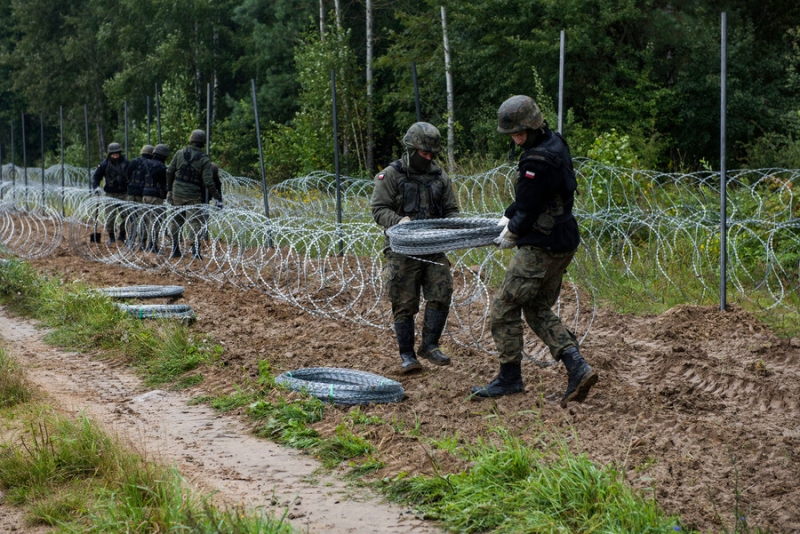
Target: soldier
x,y
154,193
138,169
114,169
187,176
415,188
540,223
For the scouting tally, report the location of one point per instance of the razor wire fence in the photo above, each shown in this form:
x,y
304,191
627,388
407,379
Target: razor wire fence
x,y
654,235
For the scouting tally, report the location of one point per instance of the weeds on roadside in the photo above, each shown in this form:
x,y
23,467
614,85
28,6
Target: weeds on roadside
x,y
514,488
70,474
83,319
13,387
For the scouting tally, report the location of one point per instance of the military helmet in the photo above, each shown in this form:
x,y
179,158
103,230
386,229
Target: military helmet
x,y
518,113
423,136
146,150
161,150
114,148
198,137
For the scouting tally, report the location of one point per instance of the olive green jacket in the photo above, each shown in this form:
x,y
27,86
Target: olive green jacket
x,y
399,193
191,186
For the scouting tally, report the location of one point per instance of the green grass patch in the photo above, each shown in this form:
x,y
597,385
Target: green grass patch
x,y
83,320
512,487
14,389
70,474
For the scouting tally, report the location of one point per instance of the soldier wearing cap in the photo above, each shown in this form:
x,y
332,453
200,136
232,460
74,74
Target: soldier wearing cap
x,y
188,176
415,188
114,170
540,224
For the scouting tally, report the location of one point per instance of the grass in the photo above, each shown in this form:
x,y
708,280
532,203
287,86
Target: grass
x,y
84,320
512,487
14,389
68,473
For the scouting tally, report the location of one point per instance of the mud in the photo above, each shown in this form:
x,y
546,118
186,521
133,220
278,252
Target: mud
x,y
697,405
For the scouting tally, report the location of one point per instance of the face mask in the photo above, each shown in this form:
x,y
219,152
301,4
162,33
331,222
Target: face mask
x,y
418,164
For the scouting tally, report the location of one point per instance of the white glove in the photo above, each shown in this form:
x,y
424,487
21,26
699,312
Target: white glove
x,y
506,239
404,220
503,221
98,191
216,203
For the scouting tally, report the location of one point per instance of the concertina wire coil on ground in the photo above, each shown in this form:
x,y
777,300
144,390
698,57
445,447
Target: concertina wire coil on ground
x,y
342,386
633,224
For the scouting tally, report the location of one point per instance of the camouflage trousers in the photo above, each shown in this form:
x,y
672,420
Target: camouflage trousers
x,y
151,222
113,209
187,216
133,222
531,288
404,277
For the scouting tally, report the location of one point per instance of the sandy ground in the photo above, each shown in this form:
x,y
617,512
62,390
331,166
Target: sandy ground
x,y
696,404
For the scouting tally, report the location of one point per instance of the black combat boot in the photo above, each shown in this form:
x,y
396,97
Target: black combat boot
x,y
405,341
580,376
122,237
507,382
196,252
176,251
432,330
111,239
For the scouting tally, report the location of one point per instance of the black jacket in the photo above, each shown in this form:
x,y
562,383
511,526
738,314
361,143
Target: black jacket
x,y
541,214
155,184
115,175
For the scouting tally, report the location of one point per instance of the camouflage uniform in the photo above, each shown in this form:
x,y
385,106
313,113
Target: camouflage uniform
x,y
414,188
116,186
433,198
541,224
188,175
547,237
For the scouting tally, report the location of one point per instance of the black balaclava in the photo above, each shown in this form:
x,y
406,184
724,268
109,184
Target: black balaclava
x,y
417,163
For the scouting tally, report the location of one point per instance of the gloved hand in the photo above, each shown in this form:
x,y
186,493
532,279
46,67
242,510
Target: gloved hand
x,y
503,221
404,220
506,239
169,197
216,203
97,191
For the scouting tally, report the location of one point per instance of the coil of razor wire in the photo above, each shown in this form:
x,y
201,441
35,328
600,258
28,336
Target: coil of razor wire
x,y
159,311
142,291
342,386
430,236
635,225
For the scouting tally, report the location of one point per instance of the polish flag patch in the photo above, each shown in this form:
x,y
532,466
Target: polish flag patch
x,y
380,176
529,174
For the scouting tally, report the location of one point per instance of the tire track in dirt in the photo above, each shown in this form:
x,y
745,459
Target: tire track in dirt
x,y
215,452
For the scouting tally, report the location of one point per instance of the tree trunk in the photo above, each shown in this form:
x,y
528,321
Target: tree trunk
x,y
451,138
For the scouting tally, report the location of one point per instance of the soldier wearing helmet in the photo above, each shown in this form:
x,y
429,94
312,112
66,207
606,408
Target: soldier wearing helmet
x,y
138,169
154,193
414,188
114,170
540,224
189,175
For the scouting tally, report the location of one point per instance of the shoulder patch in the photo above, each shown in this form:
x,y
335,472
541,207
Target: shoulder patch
x,y
380,176
529,174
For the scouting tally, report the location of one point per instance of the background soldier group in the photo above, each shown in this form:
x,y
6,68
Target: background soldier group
x,y
189,180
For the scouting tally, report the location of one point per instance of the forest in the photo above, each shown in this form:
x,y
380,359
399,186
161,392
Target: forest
x,y
641,79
